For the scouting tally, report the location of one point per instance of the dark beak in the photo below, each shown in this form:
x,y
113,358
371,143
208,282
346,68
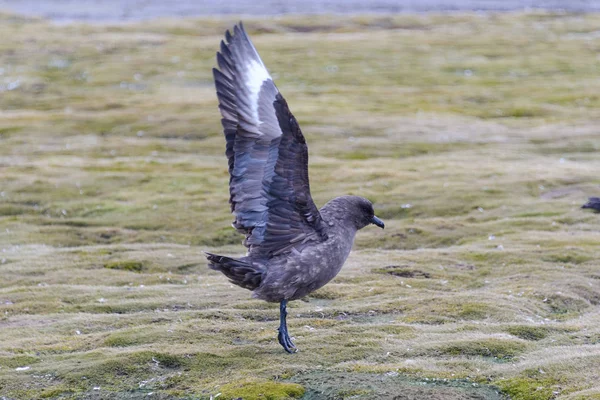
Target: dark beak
x,y
377,222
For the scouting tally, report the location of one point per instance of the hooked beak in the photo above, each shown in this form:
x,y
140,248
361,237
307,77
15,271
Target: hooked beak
x,y
378,222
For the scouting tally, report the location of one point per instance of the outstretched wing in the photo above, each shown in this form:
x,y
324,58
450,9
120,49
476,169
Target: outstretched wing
x,y
268,157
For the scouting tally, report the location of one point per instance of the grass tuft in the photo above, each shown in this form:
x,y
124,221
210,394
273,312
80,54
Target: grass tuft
x,y
529,332
132,266
255,390
500,349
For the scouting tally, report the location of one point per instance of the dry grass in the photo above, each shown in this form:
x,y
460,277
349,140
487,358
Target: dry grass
x,y
114,181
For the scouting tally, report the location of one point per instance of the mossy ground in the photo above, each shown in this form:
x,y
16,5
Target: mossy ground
x,y
476,136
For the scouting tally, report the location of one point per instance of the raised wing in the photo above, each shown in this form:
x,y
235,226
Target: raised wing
x,y
268,157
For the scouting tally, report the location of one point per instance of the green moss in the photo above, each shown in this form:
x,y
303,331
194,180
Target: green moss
x,y
59,391
495,257
587,396
121,340
529,388
133,266
499,349
473,311
18,361
528,332
9,130
400,330
566,306
354,393
268,390
128,367
168,360
434,312
122,366
326,293
355,156
523,112
12,209
567,258
539,214
407,149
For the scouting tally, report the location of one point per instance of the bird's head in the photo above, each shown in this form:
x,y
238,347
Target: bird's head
x,y
360,211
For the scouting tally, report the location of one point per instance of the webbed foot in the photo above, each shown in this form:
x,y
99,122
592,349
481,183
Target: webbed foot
x,y
285,341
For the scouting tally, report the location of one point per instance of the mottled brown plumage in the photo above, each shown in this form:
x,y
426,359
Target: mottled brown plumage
x,y
293,247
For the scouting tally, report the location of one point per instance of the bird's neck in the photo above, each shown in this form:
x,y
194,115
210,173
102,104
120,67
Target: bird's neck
x,y
336,219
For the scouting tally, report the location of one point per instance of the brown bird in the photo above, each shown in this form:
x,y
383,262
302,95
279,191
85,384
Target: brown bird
x,y
293,247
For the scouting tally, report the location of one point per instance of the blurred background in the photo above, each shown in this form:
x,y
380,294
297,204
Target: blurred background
x,y
471,125
131,10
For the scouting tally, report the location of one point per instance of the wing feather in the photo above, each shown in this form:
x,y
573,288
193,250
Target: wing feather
x,y
267,154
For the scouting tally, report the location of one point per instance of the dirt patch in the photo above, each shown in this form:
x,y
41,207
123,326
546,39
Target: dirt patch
x,y
464,267
563,192
403,271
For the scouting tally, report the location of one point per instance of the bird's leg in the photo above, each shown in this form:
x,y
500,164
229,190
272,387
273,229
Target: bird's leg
x,y
284,337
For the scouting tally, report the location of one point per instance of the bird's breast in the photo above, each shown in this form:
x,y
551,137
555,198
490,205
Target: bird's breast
x,y
325,260
303,270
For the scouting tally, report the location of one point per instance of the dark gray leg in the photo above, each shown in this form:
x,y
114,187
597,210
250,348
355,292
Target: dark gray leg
x,y
284,337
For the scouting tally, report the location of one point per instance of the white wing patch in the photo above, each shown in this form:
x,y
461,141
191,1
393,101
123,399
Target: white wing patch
x,y
256,74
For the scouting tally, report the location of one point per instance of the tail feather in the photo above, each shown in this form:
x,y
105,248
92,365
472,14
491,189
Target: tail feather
x,y
239,272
